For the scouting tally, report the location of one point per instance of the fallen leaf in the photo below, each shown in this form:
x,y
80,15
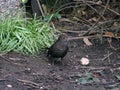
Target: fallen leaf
x,y
109,34
87,42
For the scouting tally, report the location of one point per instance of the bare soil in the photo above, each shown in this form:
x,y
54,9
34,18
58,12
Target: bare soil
x,y
21,72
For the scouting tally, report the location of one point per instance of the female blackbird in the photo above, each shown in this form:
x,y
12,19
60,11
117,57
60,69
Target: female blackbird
x,y
60,48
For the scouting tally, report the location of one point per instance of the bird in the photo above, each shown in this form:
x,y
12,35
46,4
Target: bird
x,y
59,49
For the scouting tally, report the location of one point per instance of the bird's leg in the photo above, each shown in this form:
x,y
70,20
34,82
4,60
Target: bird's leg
x,y
52,61
48,53
62,61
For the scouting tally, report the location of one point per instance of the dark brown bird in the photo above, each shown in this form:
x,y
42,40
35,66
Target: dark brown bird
x,y
59,49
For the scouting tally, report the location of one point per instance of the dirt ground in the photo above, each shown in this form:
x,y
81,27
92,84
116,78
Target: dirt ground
x,y
21,72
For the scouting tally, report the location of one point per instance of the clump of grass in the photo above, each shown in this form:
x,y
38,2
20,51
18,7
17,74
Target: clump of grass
x,y
25,36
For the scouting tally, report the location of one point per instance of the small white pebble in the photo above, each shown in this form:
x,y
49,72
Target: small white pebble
x,y
28,69
41,87
9,85
84,61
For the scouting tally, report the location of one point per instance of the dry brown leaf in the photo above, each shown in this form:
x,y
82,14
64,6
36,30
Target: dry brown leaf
x,y
109,34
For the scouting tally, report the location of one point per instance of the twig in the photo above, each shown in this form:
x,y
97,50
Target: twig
x,y
80,4
72,31
69,5
93,36
84,20
56,1
61,9
108,55
93,68
111,84
66,20
103,11
104,7
10,61
111,10
40,8
30,83
109,41
105,23
74,38
93,9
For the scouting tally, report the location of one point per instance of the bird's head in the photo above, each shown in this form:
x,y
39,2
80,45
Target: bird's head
x,y
63,37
